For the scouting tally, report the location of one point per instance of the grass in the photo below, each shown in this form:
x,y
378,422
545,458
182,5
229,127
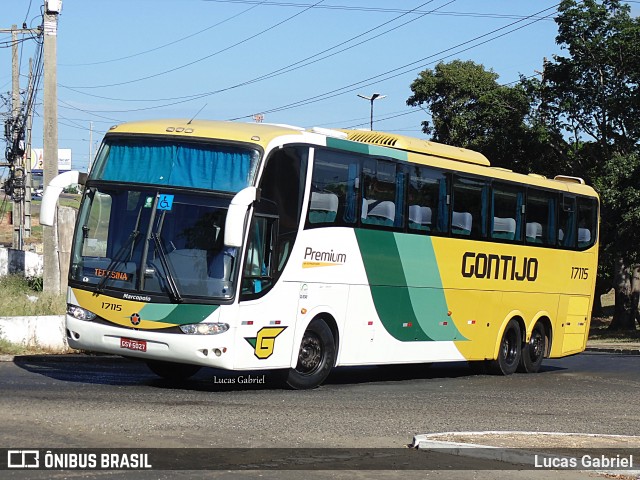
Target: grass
x,y
8,348
20,296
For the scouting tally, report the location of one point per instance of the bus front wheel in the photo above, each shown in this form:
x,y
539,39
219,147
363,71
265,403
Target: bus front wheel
x,y
172,371
533,351
316,357
510,350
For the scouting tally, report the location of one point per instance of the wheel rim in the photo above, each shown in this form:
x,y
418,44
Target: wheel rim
x,y
510,347
536,346
311,353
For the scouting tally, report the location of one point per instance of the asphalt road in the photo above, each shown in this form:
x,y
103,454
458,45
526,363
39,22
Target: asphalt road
x,y
100,402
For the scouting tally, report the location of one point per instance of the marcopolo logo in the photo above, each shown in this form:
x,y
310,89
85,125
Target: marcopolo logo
x,y
135,319
499,267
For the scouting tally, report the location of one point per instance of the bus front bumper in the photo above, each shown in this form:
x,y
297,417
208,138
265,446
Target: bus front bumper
x,y
205,350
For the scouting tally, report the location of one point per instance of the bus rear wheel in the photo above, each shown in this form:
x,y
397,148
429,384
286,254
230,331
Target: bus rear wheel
x,y
533,351
510,350
172,371
316,357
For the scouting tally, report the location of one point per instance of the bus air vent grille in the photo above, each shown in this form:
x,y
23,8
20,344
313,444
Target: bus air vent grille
x,y
373,137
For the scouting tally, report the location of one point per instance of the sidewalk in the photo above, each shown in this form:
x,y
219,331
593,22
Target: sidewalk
x,y
603,346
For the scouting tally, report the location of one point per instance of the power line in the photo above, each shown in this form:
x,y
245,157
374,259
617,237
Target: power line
x,y
286,69
348,88
401,113
407,67
257,4
373,9
251,37
69,106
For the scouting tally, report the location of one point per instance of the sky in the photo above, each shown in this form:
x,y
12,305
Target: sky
x,y
296,62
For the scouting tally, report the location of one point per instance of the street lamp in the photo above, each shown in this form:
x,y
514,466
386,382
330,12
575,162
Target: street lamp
x,y
375,96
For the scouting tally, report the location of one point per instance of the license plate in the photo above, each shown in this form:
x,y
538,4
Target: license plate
x,y
131,344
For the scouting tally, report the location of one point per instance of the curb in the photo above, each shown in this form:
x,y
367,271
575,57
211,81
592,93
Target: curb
x,y
616,350
510,455
45,331
63,357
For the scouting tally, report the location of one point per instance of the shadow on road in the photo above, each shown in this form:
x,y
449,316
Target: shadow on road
x,y
113,370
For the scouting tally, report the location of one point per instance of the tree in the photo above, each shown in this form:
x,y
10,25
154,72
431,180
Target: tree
x,y
592,95
619,185
581,118
470,109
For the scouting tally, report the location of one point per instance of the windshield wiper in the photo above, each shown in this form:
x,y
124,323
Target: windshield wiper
x,y
117,258
174,292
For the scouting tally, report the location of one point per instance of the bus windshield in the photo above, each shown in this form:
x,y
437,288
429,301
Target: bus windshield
x,y
145,240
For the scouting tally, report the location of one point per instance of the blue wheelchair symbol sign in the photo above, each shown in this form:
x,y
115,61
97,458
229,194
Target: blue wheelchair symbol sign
x,y
165,202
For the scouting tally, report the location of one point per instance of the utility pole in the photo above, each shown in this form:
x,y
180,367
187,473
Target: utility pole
x,y
15,185
27,155
90,146
18,200
51,276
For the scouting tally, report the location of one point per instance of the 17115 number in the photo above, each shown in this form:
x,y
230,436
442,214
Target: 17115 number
x,y
579,273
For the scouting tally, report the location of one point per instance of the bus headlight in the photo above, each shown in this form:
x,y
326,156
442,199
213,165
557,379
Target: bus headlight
x,y
204,328
80,313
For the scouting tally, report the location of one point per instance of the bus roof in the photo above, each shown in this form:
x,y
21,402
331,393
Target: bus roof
x,y
473,162
263,133
256,133
417,145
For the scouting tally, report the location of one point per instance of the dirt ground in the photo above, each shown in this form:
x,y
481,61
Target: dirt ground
x,y
33,242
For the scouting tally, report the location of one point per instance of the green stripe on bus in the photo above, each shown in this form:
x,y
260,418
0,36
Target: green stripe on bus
x,y
405,285
388,285
176,314
367,149
427,295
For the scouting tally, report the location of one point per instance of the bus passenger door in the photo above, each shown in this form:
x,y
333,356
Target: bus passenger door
x,y
266,311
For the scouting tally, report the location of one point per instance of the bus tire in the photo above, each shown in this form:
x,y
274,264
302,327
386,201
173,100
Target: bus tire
x,y
316,357
172,371
534,350
510,350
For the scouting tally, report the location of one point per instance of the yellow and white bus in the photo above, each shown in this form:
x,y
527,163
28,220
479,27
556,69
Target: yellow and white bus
x,y
253,246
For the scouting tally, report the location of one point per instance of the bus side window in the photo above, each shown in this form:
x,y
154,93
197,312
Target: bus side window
x,y
426,197
506,213
334,189
567,222
258,270
382,200
283,183
470,207
587,221
540,217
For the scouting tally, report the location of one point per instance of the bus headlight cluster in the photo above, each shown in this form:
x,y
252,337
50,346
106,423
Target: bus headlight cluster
x,y
80,313
204,328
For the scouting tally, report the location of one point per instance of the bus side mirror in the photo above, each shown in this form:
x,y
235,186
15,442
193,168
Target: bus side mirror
x,y
53,191
236,215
